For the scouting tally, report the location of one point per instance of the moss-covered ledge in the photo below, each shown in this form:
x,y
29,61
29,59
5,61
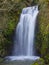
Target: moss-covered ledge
x,y
39,62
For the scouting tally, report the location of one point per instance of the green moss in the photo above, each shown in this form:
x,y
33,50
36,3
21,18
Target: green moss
x,y
39,62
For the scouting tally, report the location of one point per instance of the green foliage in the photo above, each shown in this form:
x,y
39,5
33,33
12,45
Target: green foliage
x,y
42,37
35,2
39,62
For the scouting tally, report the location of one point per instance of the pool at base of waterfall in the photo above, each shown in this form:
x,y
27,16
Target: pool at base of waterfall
x,y
22,58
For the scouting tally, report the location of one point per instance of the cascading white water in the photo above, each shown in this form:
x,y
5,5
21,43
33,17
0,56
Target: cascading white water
x,y
24,38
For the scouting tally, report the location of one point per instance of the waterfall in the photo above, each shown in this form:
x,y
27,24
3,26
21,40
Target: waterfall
x,y
24,35
24,40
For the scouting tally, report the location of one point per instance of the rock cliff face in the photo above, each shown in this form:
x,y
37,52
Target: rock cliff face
x,y
42,37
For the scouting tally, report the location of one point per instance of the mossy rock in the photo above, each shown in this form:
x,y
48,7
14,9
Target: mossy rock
x,y
39,62
1,60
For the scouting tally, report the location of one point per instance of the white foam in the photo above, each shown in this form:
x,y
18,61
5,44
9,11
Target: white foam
x,y
12,58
